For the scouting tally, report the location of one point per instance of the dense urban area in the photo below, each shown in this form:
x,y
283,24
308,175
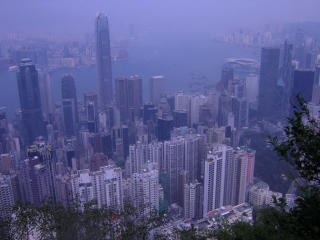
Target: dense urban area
x,y
197,156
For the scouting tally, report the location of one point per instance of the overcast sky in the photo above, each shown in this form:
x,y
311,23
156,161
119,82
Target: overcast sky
x,y
70,19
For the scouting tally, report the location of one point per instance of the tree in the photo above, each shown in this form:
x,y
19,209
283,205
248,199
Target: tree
x,y
52,221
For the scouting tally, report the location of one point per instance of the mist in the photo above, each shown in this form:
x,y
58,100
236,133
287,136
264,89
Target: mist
x,y
72,19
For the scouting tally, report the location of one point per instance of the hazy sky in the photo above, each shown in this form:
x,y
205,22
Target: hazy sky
x,y
73,18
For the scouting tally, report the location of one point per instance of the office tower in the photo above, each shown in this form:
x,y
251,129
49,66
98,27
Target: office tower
x,y
191,155
7,163
69,117
269,98
36,181
122,98
141,154
68,91
164,127
103,58
3,131
252,89
250,154
95,142
103,186
42,180
149,113
129,97
195,104
38,174
30,101
157,89
6,196
226,176
174,163
91,108
214,178
137,157
46,94
145,190
193,200
121,139
286,72
227,77
236,173
183,179
240,111
83,190
180,118
303,83
205,116
164,108
224,109
155,155
135,96
213,103
106,142
182,102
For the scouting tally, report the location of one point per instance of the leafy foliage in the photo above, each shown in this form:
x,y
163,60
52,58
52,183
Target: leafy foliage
x,y
57,222
302,145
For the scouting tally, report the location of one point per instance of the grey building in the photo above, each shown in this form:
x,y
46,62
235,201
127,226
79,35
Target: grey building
x,y
30,101
269,94
103,58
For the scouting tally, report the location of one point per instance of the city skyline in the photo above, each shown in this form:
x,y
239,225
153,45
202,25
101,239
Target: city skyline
x,y
97,127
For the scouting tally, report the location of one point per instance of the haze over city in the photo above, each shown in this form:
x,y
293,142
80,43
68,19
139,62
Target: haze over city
x,y
72,19
143,119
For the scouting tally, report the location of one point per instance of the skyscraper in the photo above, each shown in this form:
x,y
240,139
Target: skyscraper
x,y
38,174
30,101
6,196
69,117
214,178
91,108
157,89
129,97
103,186
286,71
174,162
269,95
68,91
145,190
103,57
46,93
226,177
193,200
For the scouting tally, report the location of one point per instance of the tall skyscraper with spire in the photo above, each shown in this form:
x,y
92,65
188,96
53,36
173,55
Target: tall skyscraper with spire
x,y
30,101
103,57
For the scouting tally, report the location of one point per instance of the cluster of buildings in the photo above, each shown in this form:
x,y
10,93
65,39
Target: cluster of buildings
x,y
179,151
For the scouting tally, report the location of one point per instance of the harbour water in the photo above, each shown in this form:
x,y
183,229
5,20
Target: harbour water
x,y
179,60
